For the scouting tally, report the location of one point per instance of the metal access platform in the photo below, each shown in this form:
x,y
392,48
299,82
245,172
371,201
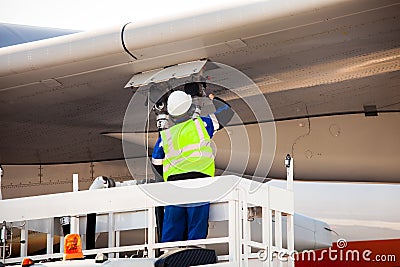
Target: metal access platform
x,y
234,200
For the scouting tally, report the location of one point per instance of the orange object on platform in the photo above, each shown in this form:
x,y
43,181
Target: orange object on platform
x,y
27,262
379,253
72,247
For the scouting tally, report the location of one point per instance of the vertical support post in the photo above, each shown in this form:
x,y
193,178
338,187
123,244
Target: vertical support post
x,y
84,242
50,236
75,182
267,234
151,231
278,233
75,219
61,244
117,241
240,229
246,235
24,238
74,225
111,232
290,237
289,163
233,232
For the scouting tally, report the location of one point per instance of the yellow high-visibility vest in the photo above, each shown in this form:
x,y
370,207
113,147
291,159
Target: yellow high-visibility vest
x,y
187,148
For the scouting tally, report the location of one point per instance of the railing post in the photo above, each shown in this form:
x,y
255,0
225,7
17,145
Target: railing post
x,y
50,236
278,233
246,231
24,240
111,232
233,232
151,231
290,238
74,223
61,244
267,233
289,163
117,241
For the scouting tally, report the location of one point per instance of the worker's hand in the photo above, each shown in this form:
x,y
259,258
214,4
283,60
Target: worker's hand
x,y
211,96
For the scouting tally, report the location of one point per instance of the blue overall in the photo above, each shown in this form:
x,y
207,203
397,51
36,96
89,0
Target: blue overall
x,y
185,223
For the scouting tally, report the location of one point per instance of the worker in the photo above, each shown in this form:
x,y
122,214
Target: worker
x,y
184,152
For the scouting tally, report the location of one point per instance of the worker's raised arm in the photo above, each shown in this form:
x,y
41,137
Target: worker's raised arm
x,y
223,113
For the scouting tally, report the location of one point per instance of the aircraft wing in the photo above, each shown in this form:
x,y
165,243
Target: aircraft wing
x,y
329,70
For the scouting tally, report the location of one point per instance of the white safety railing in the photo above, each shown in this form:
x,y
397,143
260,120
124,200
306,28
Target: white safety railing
x,y
233,200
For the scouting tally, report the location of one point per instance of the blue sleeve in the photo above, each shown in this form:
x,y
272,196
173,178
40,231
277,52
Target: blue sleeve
x,y
222,108
158,152
209,125
223,112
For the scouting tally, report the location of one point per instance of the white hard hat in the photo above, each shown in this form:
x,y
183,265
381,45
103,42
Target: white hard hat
x,y
178,103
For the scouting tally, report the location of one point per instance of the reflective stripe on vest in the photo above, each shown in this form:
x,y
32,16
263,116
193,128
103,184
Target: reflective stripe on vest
x,y
187,148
